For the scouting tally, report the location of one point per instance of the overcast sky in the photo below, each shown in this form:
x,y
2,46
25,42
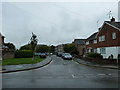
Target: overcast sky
x,y
53,23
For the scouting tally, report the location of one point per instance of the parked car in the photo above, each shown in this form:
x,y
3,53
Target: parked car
x,y
66,56
51,53
42,55
47,54
59,54
37,54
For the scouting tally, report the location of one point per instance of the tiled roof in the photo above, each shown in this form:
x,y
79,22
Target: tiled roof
x,y
116,24
92,37
80,41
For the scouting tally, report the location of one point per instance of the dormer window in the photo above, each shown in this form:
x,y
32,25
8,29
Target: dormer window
x,y
113,35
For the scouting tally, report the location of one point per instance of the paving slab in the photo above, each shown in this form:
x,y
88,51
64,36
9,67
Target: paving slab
x,y
80,61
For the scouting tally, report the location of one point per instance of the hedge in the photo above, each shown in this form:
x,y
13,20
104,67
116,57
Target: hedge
x,y
23,54
94,55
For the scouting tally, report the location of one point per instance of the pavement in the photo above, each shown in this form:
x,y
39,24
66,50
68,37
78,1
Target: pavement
x,y
24,67
83,62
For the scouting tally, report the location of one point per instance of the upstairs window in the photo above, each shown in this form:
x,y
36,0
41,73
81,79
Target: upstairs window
x,y
102,38
113,35
95,41
87,42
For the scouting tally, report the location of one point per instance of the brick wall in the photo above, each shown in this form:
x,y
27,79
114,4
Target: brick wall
x,y
7,55
107,31
81,49
109,42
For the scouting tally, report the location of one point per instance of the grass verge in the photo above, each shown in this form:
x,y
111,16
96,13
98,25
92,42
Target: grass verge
x,y
17,61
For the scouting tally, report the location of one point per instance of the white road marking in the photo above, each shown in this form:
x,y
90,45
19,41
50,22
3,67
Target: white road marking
x,y
73,75
76,63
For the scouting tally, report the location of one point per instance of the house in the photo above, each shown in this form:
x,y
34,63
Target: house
x,y
91,43
59,48
1,44
106,41
80,45
5,51
1,39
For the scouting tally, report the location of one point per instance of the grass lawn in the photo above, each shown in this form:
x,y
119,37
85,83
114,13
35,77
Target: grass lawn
x,y
17,61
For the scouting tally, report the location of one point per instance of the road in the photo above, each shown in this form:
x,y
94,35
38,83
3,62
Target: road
x,y
62,74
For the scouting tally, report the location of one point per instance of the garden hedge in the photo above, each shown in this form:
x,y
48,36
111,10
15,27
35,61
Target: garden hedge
x,y
23,54
94,55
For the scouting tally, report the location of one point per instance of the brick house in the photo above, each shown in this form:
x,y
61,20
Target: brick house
x,y
5,52
1,43
91,43
106,41
80,45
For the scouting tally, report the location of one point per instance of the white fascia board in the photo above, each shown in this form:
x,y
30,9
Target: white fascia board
x,y
112,26
109,25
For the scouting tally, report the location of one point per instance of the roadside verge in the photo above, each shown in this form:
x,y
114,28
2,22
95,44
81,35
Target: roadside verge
x,y
25,67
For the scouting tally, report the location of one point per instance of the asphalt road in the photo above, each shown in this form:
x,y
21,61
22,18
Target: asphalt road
x,y
62,74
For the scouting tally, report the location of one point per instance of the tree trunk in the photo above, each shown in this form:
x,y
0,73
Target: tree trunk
x,y
33,58
33,55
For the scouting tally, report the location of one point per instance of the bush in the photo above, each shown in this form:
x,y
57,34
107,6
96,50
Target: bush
x,y
23,54
94,55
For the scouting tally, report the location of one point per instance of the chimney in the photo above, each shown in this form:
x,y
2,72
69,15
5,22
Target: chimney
x,y
113,19
99,29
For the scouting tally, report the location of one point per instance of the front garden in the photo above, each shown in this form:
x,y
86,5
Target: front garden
x,y
98,59
17,61
22,57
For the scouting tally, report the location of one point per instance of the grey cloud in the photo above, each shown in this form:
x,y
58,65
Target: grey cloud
x,y
53,23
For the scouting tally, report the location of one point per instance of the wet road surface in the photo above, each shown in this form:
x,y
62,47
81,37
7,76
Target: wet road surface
x,y
62,74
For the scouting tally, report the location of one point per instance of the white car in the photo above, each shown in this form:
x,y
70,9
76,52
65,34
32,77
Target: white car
x,y
66,56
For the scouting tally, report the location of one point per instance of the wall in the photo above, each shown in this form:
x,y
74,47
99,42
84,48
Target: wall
x,y
109,42
7,55
118,50
110,50
81,49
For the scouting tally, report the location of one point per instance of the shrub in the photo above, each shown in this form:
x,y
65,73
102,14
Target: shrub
x,y
94,55
23,54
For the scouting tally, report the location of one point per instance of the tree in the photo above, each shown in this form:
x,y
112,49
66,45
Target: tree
x,y
10,46
26,47
70,48
42,48
33,42
52,49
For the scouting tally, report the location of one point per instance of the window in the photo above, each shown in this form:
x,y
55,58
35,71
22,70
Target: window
x,y
113,35
95,41
87,42
103,50
102,38
95,50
